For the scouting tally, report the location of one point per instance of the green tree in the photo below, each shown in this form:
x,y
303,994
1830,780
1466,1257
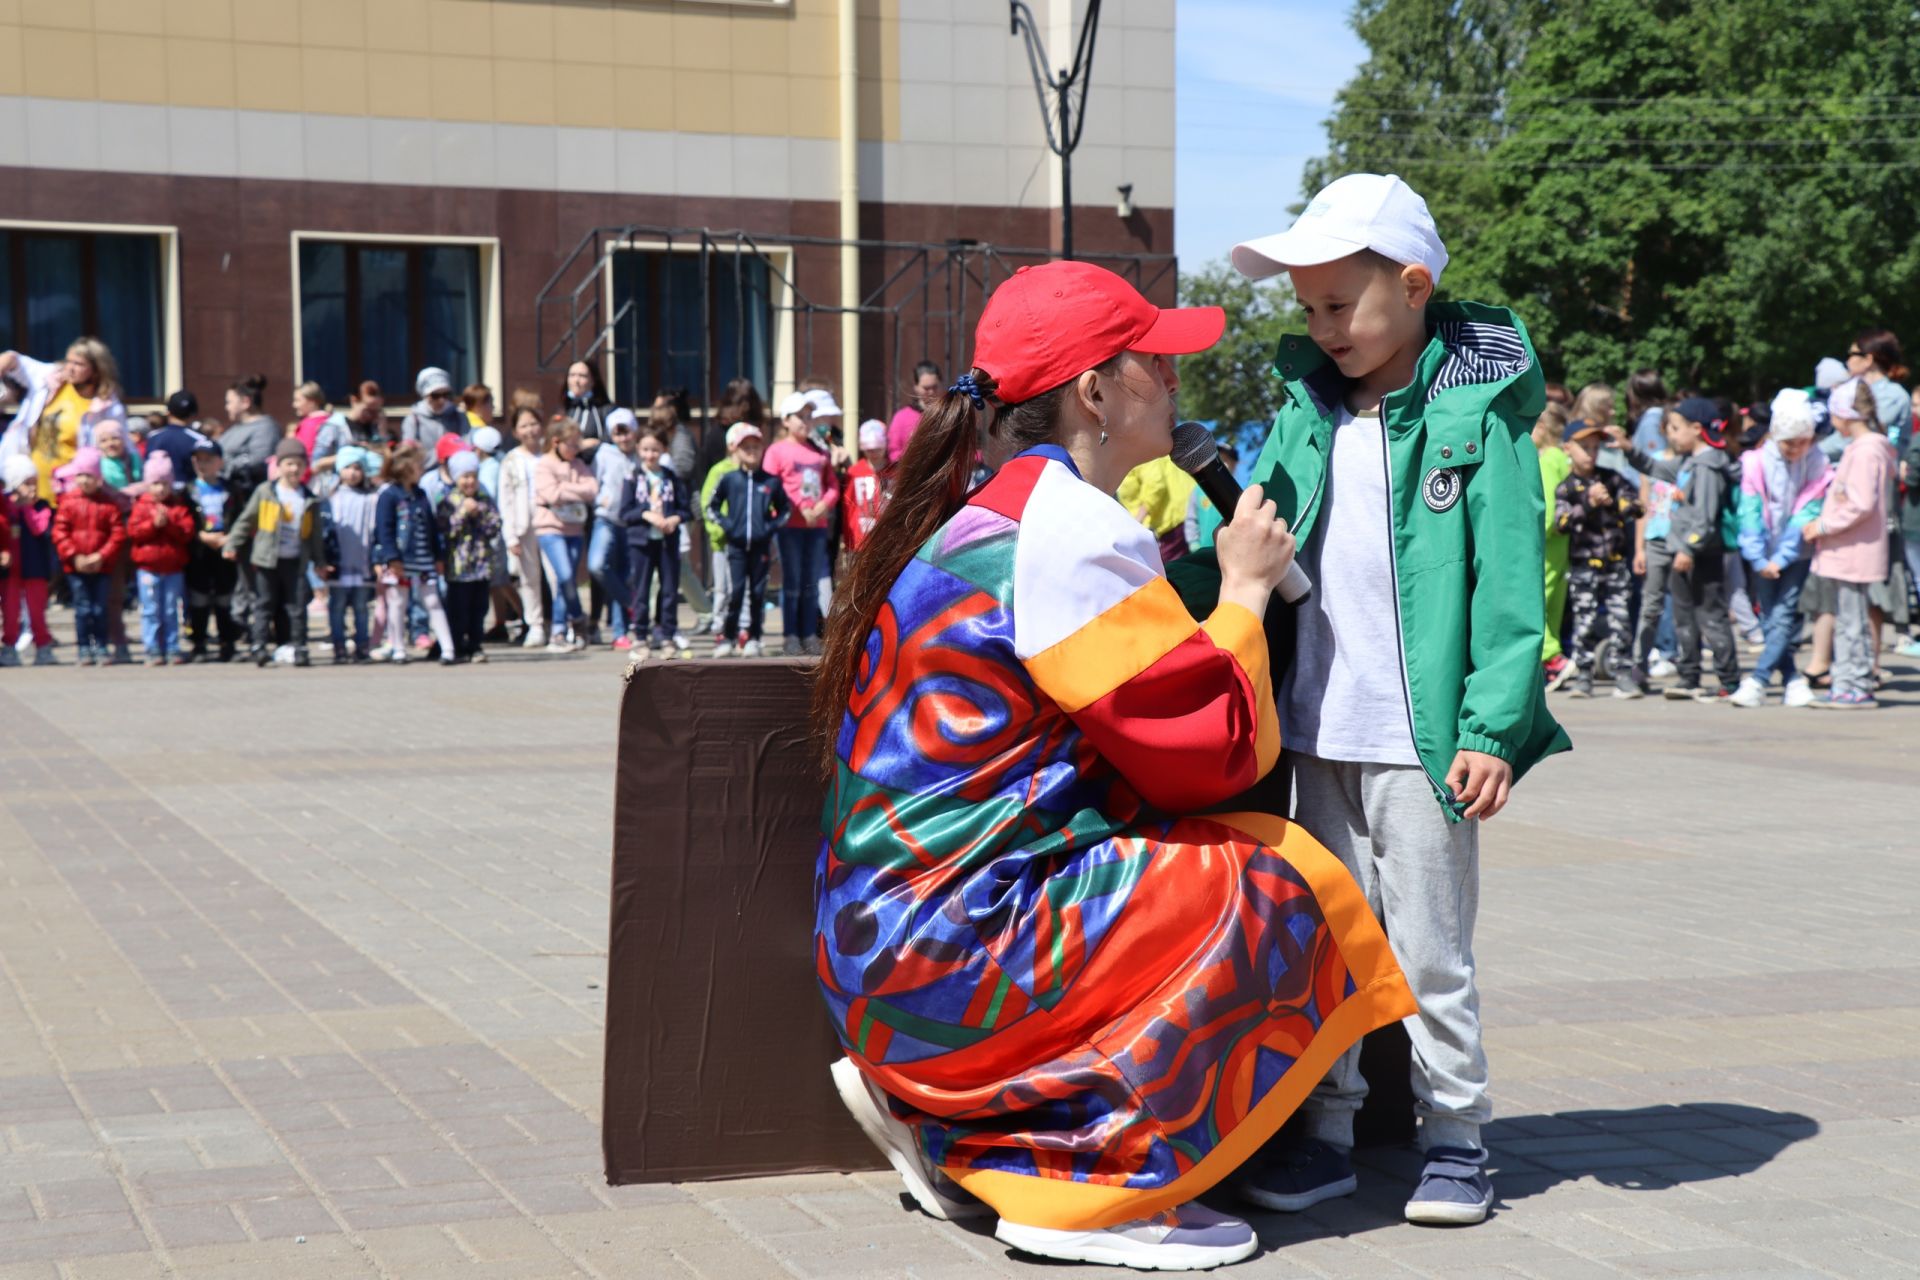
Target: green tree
x,y
1724,191
1233,383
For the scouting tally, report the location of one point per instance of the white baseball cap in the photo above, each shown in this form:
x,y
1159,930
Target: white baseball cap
x,y
1358,212
873,434
796,402
824,405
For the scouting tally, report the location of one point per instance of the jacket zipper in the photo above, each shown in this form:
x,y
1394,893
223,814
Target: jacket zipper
x,y
1399,627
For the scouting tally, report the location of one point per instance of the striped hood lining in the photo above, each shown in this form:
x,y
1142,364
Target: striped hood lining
x,y
1477,353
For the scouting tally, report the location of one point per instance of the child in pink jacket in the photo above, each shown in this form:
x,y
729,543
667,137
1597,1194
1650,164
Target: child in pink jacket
x,y
1851,544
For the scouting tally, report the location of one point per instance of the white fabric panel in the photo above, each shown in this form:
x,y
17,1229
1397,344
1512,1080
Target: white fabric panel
x,y
1079,555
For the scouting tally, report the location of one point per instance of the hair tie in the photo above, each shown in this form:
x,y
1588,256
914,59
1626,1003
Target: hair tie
x,y
966,386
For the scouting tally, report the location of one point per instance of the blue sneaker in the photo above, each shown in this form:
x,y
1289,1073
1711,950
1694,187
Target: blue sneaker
x,y
1298,1176
1454,1189
1189,1238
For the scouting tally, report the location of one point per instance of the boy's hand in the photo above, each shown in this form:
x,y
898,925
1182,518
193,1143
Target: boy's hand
x,y
6,558
1481,782
1597,495
1640,563
1617,437
1769,571
396,568
1683,563
227,554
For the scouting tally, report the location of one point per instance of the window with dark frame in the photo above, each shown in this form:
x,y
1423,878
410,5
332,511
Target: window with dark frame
x,y
57,285
371,310
663,339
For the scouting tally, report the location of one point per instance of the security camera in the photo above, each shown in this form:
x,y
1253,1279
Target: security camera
x,y
1124,206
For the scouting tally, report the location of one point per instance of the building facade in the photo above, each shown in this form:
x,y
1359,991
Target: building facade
x,y
346,189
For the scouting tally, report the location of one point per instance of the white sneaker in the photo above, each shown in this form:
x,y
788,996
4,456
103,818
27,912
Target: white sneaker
x,y
680,645
1751,693
1189,1238
558,645
1799,692
1661,669
751,649
932,1190
536,638
723,648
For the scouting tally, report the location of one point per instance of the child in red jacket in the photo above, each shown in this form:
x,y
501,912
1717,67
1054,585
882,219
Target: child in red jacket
x,y
162,527
89,535
29,567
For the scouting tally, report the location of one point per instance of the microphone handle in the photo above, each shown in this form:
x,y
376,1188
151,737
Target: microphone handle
x,y
1224,492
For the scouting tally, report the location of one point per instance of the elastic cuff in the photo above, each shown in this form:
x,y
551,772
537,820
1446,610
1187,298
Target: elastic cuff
x,y
1446,1131
1486,746
1333,1127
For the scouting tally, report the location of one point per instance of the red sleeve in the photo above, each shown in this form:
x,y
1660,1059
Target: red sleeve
x,y
116,539
63,534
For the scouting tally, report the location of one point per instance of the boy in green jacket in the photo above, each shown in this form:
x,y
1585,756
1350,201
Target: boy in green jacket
x,y
1412,698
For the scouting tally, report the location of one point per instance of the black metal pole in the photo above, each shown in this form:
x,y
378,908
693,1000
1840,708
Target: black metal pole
x,y
1066,172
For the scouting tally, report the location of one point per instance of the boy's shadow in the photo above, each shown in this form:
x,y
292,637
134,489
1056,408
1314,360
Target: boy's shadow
x,y
1651,1148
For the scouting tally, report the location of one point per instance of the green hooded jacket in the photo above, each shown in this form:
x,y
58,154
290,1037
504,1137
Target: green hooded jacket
x,y
1468,528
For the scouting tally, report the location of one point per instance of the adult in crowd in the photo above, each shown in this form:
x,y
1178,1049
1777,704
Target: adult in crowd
x,y
1875,359
1647,402
476,403
907,418
310,413
177,437
1140,1051
740,401
60,403
251,436
435,414
672,412
357,424
584,399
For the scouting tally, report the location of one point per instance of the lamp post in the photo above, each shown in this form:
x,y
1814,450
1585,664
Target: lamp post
x,y
1064,119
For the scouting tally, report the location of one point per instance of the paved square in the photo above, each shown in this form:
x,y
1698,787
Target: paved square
x,y
300,977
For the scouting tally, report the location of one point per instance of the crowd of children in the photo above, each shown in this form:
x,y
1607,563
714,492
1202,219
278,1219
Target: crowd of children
x,y
1712,532
426,535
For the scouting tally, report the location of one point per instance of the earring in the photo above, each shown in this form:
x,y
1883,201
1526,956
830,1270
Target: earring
x,y
1103,431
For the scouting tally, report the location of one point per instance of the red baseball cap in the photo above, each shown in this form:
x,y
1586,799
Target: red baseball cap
x,y
448,445
1050,323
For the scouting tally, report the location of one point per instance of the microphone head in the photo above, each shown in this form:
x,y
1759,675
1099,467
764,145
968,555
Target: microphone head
x,y
1193,447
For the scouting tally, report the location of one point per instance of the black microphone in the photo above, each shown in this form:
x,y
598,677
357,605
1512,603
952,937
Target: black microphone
x,y
1195,453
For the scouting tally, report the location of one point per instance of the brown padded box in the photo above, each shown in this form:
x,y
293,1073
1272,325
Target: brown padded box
x,y
718,1041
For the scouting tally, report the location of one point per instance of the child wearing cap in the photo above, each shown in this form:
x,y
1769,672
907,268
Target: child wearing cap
x,y
30,560
1595,510
1703,508
351,508
1851,545
162,528
653,505
748,505
1403,460
1782,486
805,471
470,525
869,482
89,532
281,533
210,576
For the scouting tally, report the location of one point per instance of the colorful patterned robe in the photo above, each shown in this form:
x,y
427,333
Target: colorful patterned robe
x,y
1089,1010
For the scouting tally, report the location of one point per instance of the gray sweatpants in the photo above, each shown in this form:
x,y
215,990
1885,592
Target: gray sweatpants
x,y
1421,876
1854,641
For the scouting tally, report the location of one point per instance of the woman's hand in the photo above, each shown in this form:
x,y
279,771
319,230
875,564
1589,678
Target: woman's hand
x,y
1254,548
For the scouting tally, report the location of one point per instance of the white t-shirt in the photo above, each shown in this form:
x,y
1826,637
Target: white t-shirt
x,y
1345,696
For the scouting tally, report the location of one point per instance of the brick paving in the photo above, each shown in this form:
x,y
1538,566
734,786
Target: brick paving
x,y
300,976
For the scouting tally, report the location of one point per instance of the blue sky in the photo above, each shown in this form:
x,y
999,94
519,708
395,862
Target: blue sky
x,y
1255,80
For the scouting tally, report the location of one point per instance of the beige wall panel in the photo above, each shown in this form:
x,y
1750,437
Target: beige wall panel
x,y
199,73
702,41
397,85
398,26
583,95
583,33
642,37
760,106
266,77
333,82
760,44
131,17
201,19
463,88
59,64
529,92
76,15
132,68
643,101
267,21
702,102
813,106
525,30
461,28
13,67
813,49
333,24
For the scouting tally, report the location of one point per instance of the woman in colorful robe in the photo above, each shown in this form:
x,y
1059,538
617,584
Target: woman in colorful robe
x,y
1062,1001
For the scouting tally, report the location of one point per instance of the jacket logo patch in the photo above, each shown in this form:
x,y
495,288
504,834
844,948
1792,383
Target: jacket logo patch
x,y
1441,488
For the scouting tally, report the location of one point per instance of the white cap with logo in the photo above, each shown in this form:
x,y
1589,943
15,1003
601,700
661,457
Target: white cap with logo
x,y
824,405
1358,212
